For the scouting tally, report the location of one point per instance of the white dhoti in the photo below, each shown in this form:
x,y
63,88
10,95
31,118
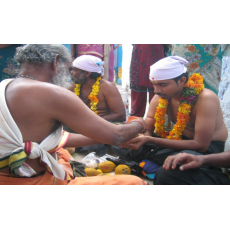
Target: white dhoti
x,y
13,151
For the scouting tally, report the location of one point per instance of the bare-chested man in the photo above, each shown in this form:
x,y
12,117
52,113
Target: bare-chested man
x,y
32,110
202,130
86,71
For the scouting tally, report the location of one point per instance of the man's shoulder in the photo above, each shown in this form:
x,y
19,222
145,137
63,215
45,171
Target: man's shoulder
x,y
155,100
207,94
41,90
45,86
107,85
207,98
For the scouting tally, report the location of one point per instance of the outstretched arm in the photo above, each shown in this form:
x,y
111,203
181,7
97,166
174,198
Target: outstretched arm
x,y
137,142
204,126
189,161
71,111
78,140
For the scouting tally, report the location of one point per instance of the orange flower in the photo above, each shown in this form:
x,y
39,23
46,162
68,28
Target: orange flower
x,y
195,81
93,95
193,65
191,48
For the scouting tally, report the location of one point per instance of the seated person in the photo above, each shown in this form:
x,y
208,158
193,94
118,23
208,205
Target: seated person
x,y
191,165
185,116
33,108
100,95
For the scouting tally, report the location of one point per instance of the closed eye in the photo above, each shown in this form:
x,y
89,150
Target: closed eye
x,y
160,84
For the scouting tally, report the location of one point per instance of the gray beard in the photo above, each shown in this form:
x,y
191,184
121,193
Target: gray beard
x,y
62,78
80,80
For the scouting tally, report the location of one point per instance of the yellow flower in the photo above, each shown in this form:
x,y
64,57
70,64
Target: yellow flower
x,y
92,96
195,81
185,108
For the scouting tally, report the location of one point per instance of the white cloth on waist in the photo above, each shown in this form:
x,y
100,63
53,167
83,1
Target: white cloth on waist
x,y
11,140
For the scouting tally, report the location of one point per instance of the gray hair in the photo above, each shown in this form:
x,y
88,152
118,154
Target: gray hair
x,y
41,53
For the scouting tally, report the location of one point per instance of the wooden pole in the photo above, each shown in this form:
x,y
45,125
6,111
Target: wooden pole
x,y
106,61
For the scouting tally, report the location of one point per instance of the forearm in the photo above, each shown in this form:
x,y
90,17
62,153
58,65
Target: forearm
x,y
115,117
128,132
148,133
176,144
217,159
78,140
122,134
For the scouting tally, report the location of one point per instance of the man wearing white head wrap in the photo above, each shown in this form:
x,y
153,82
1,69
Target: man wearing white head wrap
x,y
89,63
86,73
168,68
86,70
204,132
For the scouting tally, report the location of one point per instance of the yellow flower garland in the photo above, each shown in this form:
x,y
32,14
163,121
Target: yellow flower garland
x,y
93,95
189,97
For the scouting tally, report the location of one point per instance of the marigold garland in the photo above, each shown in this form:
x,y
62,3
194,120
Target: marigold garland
x,y
93,95
189,97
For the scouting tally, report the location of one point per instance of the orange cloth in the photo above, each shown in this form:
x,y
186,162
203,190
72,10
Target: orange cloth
x,y
108,180
46,179
64,157
131,118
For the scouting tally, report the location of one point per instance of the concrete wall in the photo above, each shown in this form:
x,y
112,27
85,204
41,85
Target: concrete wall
x,y
224,95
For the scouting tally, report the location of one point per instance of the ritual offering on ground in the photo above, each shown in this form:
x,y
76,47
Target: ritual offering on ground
x,y
91,172
104,174
107,166
122,169
99,171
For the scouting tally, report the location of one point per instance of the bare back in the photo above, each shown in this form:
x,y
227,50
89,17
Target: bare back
x,y
28,105
38,108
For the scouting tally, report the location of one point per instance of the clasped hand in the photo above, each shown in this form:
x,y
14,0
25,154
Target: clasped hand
x,y
135,143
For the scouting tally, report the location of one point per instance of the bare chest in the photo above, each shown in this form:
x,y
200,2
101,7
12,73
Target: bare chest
x,y
174,116
101,105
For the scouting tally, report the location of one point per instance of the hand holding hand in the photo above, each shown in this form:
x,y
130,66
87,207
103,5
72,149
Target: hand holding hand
x,y
188,161
135,143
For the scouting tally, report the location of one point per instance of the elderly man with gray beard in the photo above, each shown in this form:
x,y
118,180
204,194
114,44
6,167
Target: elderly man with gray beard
x,y
33,108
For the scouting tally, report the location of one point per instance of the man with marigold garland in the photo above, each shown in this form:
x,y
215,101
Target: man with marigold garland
x,y
100,95
186,118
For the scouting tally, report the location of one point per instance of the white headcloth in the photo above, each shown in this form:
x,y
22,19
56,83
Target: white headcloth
x,y
89,63
167,68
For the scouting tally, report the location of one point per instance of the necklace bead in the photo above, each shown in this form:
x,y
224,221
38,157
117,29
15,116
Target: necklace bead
x,y
27,76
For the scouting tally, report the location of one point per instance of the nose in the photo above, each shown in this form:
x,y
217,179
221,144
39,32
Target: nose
x,y
71,72
157,89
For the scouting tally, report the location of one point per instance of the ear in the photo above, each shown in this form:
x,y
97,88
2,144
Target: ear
x,y
55,62
87,74
182,80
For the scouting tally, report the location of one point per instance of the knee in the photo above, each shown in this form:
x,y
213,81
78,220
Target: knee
x,y
168,177
161,177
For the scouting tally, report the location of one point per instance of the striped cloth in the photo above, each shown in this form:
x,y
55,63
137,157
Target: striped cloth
x,y
13,152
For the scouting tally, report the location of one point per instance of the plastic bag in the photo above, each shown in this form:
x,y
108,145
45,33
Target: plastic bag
x,y
103,158
91,160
